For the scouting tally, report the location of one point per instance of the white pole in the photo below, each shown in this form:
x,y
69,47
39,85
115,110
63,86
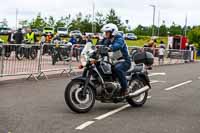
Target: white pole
x,y
158,23
186,19
93,15
16,18
154,11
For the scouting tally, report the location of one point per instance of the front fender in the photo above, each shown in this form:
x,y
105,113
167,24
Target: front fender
x,y
84,79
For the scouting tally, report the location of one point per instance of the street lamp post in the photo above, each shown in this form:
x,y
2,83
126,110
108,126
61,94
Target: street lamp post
x,y
16,23
154,11
93,16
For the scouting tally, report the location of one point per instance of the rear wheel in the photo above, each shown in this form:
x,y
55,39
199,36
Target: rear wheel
x,y
33,53
140,100
75,99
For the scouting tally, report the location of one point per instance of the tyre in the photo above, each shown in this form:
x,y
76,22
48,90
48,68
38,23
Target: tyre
x,y
74,98
20,53
7,54
140,100
54,58
33,53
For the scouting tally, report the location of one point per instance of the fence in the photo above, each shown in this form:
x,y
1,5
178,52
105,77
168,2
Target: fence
x,y
36,60
170,56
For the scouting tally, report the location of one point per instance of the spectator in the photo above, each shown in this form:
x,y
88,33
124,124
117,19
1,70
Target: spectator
x,y
49,38
56,38
81,39
89,39
161,55
73,40
30,36
43,39
46,47
11,37
18,36
162,44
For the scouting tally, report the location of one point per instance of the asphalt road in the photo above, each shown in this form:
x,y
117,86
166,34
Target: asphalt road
x,y
39,107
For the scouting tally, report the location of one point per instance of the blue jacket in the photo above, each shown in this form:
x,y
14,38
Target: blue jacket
x,y
73,40
119,44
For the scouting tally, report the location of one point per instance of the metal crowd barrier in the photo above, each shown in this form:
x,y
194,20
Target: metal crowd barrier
x,y
36,60
171,56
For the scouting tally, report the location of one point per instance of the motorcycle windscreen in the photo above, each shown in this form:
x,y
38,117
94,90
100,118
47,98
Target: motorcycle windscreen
x,y
85,53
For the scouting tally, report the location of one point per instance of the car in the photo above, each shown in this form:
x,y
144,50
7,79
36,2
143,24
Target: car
x,y
62,31
36,32
130,36
47,30
5,31
75,33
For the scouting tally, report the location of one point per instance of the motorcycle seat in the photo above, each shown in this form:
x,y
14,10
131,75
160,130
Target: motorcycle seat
x,y
135,68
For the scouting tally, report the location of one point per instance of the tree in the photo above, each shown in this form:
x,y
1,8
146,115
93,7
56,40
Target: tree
x,y
113,18
99,21
194,35
60,23
51,21
38,22
24,23
4,23
163,30
143,30
82,23
175,29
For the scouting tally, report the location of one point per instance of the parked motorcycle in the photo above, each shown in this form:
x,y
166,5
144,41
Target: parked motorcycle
x,y
26,50
99,82
7,49
60,52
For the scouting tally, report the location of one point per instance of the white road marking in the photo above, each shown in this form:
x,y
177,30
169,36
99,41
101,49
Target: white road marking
x,y
178,85
157,74
112,112
88,123
84,125
198,77
149,97
156,81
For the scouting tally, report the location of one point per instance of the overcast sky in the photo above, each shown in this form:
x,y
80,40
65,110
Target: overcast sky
x,y
136,11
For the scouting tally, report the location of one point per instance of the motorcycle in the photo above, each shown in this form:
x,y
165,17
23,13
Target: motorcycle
x,y
7,49
98,81
26,50
60,52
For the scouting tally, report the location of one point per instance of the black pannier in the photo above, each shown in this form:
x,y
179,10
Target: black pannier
x,y
144,57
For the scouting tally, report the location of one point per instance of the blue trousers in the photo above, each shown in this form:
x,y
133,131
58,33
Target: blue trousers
x,y
120,70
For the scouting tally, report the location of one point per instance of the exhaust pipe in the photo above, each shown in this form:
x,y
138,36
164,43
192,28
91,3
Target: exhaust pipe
x,y
138,92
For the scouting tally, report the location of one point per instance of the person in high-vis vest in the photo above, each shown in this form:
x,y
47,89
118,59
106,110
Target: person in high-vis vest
x,y
30,36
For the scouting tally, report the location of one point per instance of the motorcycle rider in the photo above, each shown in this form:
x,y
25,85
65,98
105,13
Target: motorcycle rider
x,y
118,46
18,36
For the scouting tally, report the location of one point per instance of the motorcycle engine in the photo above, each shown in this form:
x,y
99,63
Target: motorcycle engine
x,y
112,87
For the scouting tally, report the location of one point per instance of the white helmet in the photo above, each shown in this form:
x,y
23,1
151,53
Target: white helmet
x,y
110,28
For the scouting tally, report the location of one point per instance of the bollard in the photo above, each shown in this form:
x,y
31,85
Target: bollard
x,y
195,55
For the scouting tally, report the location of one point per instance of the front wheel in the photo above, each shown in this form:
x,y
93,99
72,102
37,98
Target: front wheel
x,y
20,53
140,100
75,99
